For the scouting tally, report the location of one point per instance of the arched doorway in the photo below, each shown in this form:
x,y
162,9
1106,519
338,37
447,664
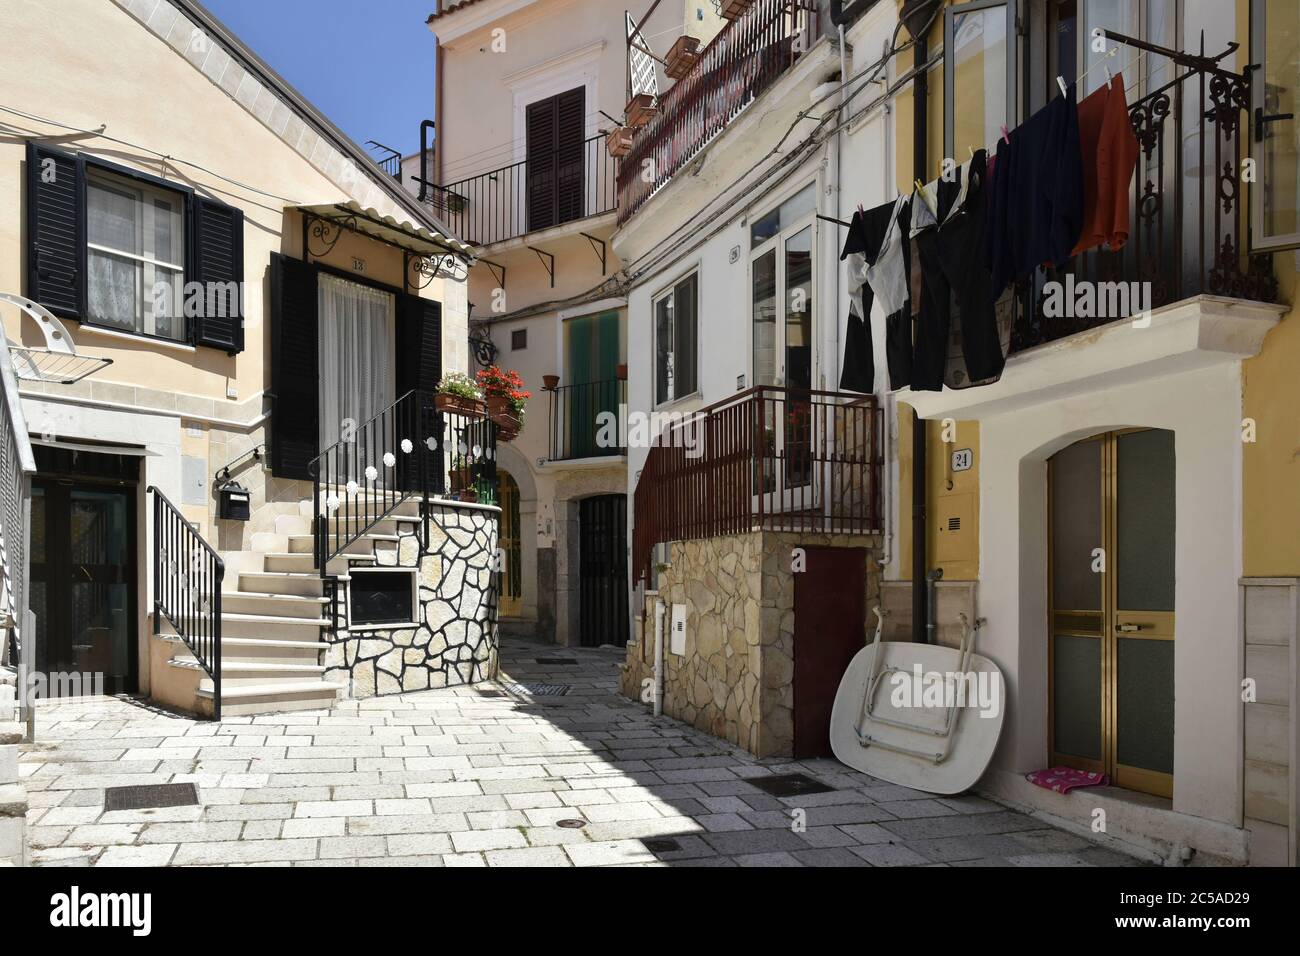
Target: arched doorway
x,y
512,584
1111,577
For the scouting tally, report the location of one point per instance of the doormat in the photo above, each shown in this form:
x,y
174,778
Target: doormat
x,y
789,785
1065,779
150,796
537,690
566,661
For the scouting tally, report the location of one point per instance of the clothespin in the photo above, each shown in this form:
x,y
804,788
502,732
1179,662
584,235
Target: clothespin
x,y
920,186
1005,138
1109,78
1060,81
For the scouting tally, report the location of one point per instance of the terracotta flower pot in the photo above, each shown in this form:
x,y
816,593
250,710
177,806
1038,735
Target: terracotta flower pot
x,y
621,371
470,407
619,141
550,382
640,109
685,53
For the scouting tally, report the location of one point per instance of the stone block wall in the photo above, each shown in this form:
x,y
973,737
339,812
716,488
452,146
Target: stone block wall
x,y
13,799
455,641
736,677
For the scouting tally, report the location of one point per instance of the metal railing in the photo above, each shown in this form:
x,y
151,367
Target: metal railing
x,y
776,459
187,577
578,429
1189,218
530,195
410,449
742,61
17,466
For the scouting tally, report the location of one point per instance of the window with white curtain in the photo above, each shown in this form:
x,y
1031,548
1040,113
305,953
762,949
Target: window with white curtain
x,y
356,355
135,256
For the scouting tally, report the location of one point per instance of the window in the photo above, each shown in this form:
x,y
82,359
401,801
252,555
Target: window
x,y
1275,195
135,256
979,74
781,272
518,340
676,341
556,128
381,597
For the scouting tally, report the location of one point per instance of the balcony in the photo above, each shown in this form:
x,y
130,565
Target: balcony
x,y
576,431
744,59
537,193
770,459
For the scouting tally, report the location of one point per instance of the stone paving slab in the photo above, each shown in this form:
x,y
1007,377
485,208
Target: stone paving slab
x,y
459,778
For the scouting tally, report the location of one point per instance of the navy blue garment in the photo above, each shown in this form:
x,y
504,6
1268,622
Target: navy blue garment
x,y
1036,211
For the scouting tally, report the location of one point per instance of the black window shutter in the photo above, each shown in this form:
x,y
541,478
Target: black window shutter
x,y
570,129
541,126
56,231
555,129
295,368
419,369
217,263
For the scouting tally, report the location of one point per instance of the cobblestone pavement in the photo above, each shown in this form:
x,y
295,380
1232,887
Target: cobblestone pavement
x,y
485,776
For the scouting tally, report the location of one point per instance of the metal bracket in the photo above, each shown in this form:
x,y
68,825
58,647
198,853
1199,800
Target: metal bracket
x,y
550,267
498,272
599,247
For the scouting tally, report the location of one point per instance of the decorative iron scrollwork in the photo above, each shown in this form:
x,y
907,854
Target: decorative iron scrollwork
x,y
326,233
421,270
485,352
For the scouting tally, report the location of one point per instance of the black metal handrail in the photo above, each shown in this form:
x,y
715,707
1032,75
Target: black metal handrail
x,y
533,194
367,475
187,576
578,429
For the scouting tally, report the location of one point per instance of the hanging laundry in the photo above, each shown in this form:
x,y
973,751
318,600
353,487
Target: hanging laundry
x,y
887,275
957,338
864,248
1036,213
1109,153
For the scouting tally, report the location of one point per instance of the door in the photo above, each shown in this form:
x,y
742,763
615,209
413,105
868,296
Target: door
x,y
830,608
593,347
603,584
511,588
1111,591
555,130
83,568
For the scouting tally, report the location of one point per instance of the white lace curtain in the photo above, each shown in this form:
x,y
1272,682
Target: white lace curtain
x,y
356,355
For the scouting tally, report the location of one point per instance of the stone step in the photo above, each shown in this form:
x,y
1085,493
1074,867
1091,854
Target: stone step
x,y
248,650
273,605
366,544
273,697
299,583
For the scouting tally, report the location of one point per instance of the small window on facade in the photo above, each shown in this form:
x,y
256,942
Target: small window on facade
x,y
135,238
518,340
381,597
676,341
1274,144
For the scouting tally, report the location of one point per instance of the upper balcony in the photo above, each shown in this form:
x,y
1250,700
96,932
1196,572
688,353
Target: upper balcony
x,y
746,57
544,191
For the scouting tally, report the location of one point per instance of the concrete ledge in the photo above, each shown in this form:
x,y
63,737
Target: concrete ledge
x,y
1131,820
13,801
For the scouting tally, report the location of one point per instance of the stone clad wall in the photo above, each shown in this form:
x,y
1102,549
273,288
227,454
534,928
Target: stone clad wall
x,y
456,640
736,678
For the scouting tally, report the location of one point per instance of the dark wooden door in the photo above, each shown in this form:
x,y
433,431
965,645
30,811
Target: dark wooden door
x,y
555,129
602,561
830,607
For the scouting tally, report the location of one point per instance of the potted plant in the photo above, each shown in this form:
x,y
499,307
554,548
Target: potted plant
x,y
458,393
550,383
506,400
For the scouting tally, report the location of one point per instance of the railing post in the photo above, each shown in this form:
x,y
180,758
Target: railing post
x,y
216,638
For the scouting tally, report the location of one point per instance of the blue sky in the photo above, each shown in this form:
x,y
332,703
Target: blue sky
x,y
366,64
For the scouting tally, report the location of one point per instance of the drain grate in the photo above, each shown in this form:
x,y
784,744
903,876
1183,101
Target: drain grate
x,y
149,796
571,824
564,661
660,844
790,785
537,690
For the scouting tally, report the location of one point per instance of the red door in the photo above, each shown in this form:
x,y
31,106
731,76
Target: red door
x,y
830,607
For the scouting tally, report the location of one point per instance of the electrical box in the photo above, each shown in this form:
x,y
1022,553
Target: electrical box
x,y
677,630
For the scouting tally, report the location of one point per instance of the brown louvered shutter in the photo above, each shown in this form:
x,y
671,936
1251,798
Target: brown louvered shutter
x,y
217,262
419,369
555,128
56,231
570,127
295,368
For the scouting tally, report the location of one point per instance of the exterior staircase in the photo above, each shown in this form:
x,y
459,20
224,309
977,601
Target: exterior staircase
x,y
273,610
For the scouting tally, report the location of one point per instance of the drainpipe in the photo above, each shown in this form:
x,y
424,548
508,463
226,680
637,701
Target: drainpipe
x,y
659,657
426,174
920,93
890,404
932,597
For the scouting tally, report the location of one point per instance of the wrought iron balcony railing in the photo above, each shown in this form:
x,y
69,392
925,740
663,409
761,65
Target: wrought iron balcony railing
x,y
746,57
775,459
1189,216
581,417
536,193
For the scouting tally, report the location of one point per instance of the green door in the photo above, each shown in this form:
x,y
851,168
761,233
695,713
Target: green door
x,y
593,381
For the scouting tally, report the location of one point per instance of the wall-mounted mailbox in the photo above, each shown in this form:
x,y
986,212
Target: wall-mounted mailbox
x,y
233,502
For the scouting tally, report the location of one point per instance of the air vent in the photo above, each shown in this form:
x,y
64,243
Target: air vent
x,y
954,524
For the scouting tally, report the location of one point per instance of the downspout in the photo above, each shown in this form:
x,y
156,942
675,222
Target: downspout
x,y
659,657
920,161
425,174
890,404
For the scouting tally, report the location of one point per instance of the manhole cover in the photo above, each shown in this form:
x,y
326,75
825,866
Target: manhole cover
x,y
148,796
789,785
571,824
661,844
537,690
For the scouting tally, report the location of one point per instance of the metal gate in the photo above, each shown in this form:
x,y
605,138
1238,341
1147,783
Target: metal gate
x,y
602,607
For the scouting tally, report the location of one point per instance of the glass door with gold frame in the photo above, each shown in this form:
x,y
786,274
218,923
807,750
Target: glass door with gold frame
x,y
511,588
1111,598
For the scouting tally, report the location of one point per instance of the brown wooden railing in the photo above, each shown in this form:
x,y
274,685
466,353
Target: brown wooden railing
x,y
742,61
778,459
1188,220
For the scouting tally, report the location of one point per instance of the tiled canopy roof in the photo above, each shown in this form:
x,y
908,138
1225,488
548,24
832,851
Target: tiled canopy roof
x,y
452,7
